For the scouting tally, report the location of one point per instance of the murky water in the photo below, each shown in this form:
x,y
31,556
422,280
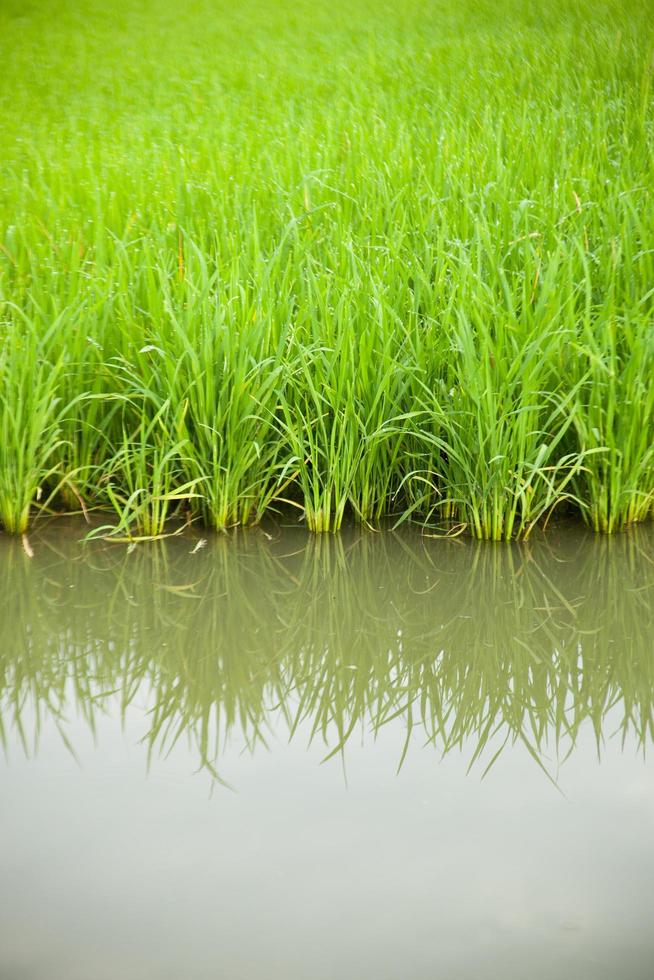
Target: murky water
x,y
370,757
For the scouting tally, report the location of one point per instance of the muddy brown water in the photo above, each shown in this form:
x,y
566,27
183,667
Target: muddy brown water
x,y
366,757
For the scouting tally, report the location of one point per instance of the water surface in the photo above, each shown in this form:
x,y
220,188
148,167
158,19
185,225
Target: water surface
x,y
365,756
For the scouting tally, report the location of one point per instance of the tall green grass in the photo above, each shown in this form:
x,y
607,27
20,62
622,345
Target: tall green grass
x,y
352,258
30,417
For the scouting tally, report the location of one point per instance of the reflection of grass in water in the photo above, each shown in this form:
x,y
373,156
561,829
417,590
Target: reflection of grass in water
x,y
472,647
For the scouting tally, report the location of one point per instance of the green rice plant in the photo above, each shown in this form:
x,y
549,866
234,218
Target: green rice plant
x,y
30,415
319,425
613,416
144,475
143,478
494,425
87,424
221,358
352,377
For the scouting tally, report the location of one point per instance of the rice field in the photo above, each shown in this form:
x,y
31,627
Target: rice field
x,y
361,259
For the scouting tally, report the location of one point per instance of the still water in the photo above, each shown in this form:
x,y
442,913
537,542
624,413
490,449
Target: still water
x,y
271,756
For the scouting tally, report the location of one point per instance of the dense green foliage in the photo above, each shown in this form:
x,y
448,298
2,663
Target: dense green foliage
x,y
364,256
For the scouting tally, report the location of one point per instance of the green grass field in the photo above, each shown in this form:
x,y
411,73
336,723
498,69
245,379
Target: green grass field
x,y
367,257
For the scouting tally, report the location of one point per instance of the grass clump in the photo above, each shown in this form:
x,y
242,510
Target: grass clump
x,y
30,417
614,418
366,261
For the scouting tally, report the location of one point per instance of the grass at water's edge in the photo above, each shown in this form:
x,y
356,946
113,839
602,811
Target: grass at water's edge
x,y
355,260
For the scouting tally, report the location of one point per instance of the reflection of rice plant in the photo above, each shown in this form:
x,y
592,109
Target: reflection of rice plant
x,y
472,647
